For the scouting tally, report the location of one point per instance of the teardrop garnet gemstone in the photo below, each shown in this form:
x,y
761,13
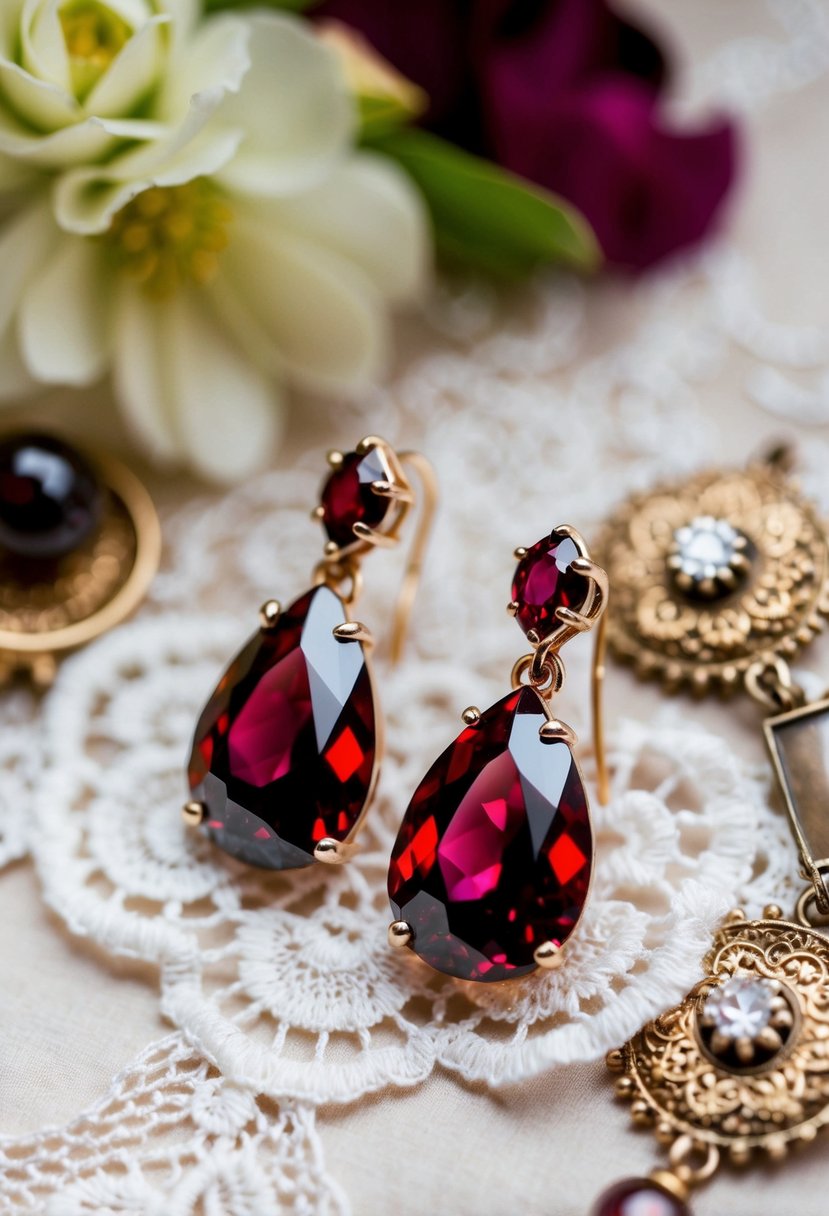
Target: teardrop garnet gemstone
x,y
284,751
495,851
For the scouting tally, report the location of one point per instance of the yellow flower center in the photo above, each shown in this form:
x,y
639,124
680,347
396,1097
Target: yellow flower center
x,y
94,35
171,235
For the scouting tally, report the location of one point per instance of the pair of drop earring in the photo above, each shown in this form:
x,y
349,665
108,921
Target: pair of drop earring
x,y
491,868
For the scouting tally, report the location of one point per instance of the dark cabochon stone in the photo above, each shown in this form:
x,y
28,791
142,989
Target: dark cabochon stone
x,y
495,851
50,498
283,754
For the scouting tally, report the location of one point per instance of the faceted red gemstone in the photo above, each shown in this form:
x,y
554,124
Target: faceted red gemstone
x,y
347,497
495,851
544,580
639,1197
283,754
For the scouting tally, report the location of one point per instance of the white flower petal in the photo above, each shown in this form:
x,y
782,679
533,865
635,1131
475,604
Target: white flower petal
x,y
186,16
63,323
295,107
187,391
134,12
227,412
84,141
43,104
10,28
132,72
42,43
85,200
26,242
141,335
230,304
216,58
321,314
368,211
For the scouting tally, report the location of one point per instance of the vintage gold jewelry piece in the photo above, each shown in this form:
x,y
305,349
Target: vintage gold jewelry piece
x,y
80,543
286,753
734,569
491,868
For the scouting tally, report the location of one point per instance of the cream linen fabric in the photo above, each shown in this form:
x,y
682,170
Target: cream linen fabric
x,y
72,1017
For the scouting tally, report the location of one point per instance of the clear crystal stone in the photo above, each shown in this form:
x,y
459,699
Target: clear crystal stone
x,y
741,1007
706,545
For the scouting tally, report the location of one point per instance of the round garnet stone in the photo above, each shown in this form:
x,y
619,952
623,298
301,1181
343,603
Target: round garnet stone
x,y
545,580
50,499
639,1197
494,854
347,497
283,753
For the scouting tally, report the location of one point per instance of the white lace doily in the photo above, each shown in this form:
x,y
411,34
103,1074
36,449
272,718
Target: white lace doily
x,y
280,990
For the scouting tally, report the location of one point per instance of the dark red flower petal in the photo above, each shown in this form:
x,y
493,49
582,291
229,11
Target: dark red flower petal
x,y
645,190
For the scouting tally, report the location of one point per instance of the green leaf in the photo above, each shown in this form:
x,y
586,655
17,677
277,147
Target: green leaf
x,y
485,216
293,6
380,115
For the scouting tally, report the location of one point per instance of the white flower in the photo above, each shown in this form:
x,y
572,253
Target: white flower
x,y
238,241
79,77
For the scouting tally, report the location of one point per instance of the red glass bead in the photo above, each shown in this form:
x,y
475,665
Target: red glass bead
x,y
283,754
639,1197
494,854
347,497
544,580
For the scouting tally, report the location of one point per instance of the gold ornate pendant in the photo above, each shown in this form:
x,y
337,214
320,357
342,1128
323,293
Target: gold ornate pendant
x,y
717,583
741,1066
711,574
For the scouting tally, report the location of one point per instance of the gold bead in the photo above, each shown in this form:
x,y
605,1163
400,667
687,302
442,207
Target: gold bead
x,y
615,1060
641,1113
739,1153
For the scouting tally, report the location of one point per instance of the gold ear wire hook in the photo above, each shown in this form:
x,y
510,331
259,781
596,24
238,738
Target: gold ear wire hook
x,y
597,676
417,553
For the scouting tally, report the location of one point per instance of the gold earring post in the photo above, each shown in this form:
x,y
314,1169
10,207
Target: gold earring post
x,y
417,553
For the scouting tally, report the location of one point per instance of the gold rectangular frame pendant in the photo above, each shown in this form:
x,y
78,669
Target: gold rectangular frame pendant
x,y
798,743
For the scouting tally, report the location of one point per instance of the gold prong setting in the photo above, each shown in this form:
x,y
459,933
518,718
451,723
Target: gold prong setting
x,y
400,934
193,814
269,614
745,1022
370,536
555,731
332,852
373,527
549,955
708,557
569,621
354,631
